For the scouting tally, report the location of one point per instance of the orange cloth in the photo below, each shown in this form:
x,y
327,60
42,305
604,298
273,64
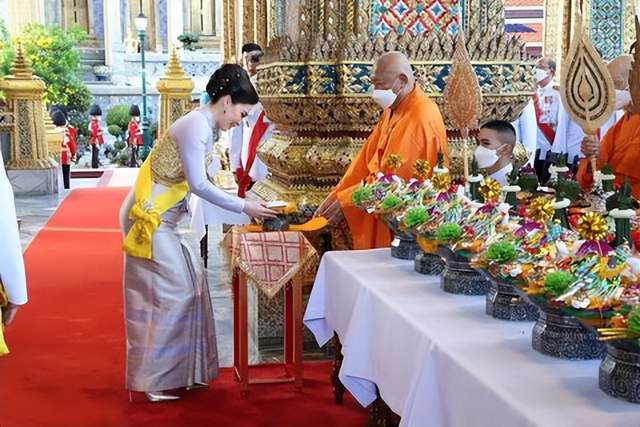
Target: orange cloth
x,y
620,148
415,130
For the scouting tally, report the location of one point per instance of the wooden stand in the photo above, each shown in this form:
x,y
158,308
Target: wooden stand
x,y
292,334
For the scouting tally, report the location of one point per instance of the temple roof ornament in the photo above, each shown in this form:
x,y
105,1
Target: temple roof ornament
x,y
20,68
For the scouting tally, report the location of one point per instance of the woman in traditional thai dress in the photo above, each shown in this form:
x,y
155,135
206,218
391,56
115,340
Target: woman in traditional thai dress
x,y
171,339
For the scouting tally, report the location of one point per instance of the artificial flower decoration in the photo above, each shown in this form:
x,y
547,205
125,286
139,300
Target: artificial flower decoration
x,y
392,162
490,190
421,169
501,252
449,232
540,210
557,282
415,216
441,182
362,195
592,226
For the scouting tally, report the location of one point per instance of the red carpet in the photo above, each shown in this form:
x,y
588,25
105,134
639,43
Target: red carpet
x,y
67,363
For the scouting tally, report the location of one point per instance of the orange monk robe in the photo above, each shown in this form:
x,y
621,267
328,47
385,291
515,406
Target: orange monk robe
x,y
620,148
415,130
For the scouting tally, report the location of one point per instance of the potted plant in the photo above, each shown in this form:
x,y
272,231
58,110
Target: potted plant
x,y
190,41
101,72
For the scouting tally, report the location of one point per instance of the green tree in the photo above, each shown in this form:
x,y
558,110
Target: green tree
x,y
51,52
118,120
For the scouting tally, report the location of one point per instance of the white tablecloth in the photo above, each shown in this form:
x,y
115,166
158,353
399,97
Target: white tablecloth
x,y
439,360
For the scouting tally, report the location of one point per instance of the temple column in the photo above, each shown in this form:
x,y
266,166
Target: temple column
x,y
29,12
113,46
30,170
175,22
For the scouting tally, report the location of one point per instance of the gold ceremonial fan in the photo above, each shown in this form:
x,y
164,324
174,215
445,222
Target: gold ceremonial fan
x,y
587,89
462,95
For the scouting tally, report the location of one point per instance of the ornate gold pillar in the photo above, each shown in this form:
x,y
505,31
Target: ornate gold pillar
x,y
175,90
229,30
30,168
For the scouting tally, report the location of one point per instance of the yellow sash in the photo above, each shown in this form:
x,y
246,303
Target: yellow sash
x,y
145,213
4,301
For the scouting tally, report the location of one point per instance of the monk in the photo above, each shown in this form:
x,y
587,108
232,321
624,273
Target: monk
x,y
411,126
620,147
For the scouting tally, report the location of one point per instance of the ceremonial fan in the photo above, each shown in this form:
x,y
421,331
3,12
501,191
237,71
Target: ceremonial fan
x,y
462,95
587,88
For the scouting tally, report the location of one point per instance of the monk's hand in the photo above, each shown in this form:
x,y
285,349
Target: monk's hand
x,y
330,209
590,146
322,209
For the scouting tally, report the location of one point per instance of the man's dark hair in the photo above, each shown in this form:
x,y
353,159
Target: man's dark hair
x,y
506,132
250,47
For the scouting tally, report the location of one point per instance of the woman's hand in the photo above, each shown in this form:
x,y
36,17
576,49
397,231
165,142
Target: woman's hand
x,y
590,146
258,210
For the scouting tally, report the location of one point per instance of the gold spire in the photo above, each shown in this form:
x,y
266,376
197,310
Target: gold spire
x,y
174,69
20,68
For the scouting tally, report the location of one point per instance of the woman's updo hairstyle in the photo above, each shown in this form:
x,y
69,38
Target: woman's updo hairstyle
x,y
232,80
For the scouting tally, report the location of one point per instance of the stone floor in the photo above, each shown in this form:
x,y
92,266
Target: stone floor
x,y
34,212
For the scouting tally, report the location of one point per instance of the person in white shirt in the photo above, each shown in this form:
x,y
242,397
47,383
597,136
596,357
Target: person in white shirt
x,y
568,140
255,129
12,273
526,129
547,106
494,153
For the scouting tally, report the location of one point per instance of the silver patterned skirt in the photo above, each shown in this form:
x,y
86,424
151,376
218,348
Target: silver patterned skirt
x,y
169,321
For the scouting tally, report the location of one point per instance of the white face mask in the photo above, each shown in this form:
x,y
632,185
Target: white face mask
x,y
540,74
485,157
384,97
623,98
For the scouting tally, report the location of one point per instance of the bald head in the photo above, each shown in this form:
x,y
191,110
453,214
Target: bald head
x,y
393,72
619,68
394,63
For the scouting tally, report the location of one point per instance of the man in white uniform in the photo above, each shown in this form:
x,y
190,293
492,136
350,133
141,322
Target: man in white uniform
x,y
12,273
547,104
255,129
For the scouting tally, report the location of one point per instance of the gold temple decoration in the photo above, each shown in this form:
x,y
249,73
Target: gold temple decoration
x,y
463,96
23,92
587,89
175,89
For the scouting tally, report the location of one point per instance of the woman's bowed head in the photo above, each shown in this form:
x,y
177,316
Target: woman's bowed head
x,y
231,95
